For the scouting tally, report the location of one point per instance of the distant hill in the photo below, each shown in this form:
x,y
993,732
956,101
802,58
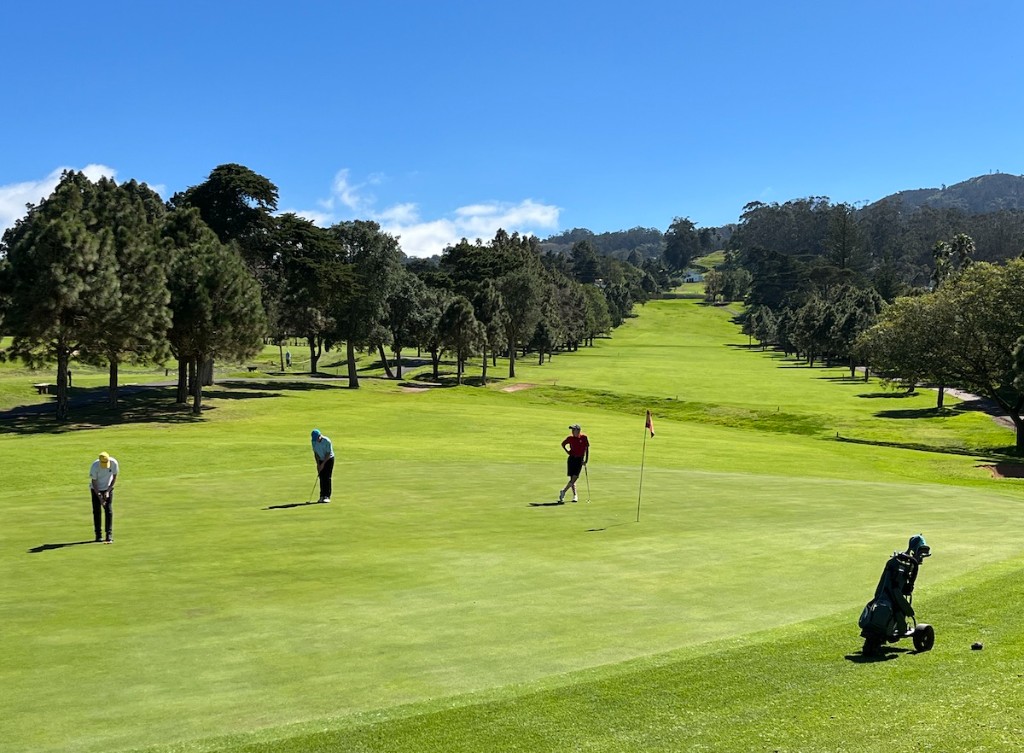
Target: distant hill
x,y
980,195
646,241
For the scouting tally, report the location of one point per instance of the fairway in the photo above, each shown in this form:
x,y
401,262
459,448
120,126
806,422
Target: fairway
x,y
441,602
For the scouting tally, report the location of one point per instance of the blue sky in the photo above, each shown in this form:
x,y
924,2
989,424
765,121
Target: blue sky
x,y
447,118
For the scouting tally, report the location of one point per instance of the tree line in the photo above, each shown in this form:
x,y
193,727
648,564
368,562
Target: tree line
x,y
109,273
933,296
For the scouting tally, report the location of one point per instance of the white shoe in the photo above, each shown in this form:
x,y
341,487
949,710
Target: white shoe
x,y
575,498
325,500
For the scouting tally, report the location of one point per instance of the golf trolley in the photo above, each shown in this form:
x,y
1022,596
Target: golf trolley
x,y
921,633
884,619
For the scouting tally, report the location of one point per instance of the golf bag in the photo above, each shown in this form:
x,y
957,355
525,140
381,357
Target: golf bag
x,y
884,618
877,618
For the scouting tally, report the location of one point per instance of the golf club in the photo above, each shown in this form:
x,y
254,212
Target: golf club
x,y
310,501
586,475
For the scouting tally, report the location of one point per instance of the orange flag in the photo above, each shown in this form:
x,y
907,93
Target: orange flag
x,y
650,423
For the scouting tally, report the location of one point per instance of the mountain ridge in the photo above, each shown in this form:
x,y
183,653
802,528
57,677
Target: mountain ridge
x,y
978,195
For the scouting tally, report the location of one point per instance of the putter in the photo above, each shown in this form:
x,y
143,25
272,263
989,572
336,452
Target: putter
x,y
586,475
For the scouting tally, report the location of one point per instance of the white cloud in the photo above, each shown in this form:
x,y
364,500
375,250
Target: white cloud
x,y
401,214
426,237
14,196
323,219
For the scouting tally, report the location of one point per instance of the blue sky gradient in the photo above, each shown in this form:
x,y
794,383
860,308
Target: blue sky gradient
x,y
447,119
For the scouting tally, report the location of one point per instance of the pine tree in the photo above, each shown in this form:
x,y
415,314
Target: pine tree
x,y
60,274
133,323
215,301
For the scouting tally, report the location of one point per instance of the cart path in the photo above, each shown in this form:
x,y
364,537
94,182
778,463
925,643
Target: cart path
x,y
991,407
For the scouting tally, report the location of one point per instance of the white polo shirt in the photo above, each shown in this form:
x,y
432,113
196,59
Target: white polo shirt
x,y
102,476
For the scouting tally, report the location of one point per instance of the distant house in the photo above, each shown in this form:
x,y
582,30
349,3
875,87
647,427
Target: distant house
x,y
693,276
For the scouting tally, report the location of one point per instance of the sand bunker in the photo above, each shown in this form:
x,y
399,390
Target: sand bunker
x,y
517,387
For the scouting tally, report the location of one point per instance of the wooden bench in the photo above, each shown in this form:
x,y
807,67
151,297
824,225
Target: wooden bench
x,y
42,388
252,368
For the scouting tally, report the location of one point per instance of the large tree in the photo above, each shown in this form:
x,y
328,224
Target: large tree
x,y
403,308
967,334
215,300
461,334
133,324
908,342
521,292
682,243
585,266
313,274
489,307
429,333
597,320
59,271
843,239
376,265
236,203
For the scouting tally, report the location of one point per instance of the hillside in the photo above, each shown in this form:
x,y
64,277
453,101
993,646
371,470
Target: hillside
x,y
979,195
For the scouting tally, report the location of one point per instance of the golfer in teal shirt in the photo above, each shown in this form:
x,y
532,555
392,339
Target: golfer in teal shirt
x,y
323,454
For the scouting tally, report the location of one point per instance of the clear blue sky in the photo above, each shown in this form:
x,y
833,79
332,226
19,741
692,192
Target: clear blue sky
x,y
442,119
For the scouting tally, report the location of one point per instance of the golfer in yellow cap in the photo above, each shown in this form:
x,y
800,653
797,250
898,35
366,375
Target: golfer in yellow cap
x,y
102,477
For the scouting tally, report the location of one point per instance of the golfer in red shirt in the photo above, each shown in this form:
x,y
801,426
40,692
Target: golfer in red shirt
x,y
577,446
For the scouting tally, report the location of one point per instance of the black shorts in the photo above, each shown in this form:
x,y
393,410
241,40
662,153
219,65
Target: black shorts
x,y
574,466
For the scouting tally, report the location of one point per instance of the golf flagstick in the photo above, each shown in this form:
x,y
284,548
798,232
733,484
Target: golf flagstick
x,y
648,427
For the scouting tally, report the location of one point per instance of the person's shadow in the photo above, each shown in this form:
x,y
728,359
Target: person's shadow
x,y
294,504
48,547
547,504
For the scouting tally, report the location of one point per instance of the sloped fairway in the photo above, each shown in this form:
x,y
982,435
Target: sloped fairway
x,y
780,690
441,602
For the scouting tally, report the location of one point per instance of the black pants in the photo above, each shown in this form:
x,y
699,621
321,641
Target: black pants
x,y
107,507
326,470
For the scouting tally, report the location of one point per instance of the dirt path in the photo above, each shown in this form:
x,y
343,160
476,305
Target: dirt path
x,y
991,407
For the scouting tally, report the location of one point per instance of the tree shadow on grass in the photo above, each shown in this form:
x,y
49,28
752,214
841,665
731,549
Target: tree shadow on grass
x,y
887,395
48,547
154,405
212,393
1000,453
913,413
140,404
1003,469
277,386
842,378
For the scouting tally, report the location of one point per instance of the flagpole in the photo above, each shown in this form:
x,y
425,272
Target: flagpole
x,y
641,491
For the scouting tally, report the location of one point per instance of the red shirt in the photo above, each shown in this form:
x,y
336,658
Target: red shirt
x,y
577,445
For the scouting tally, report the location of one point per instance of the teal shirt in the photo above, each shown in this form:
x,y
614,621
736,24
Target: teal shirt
x,y
323,448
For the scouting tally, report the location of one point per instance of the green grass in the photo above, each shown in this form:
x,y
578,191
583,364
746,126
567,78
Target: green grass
x,y
439,604
711,260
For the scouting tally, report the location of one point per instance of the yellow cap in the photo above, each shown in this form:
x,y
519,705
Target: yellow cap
x,y
104,458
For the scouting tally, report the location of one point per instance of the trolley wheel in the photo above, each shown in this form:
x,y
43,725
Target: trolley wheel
x,y
924,637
